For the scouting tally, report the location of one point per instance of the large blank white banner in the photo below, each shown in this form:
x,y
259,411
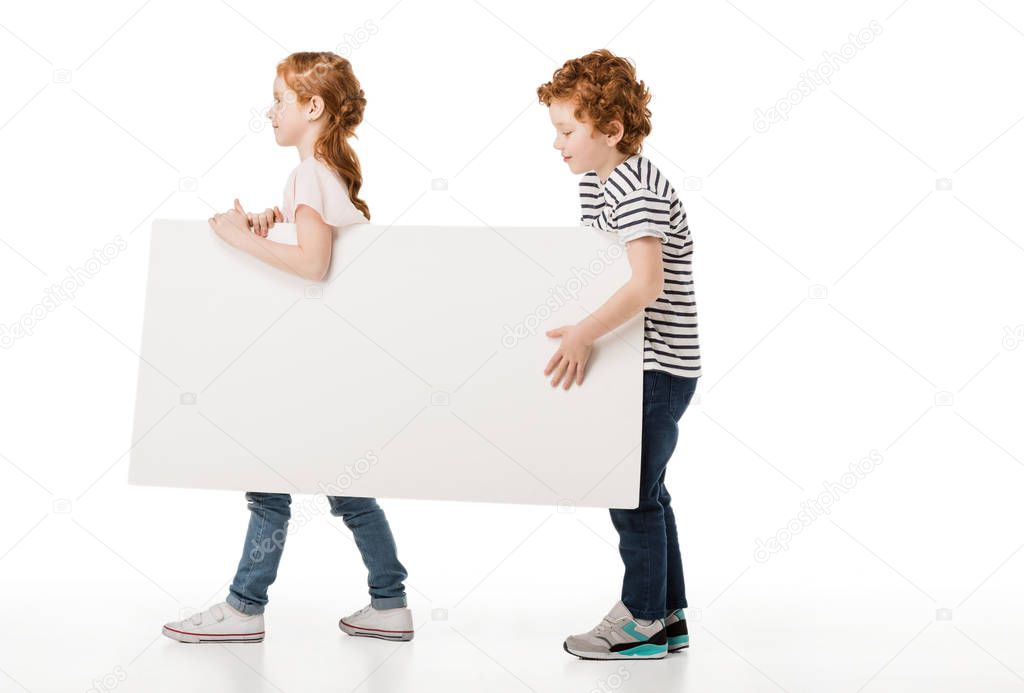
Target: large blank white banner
x,y
415,369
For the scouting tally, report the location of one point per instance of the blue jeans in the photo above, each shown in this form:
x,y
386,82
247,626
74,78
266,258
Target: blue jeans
x,y
265,539
653,581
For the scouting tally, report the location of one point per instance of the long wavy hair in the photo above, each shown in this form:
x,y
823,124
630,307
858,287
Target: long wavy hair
x,y
330,77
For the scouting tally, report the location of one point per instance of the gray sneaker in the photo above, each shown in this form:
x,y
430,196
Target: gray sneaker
x,y
675,629
620,636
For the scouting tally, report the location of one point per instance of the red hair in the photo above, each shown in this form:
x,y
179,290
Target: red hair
x,y
330,77
604,88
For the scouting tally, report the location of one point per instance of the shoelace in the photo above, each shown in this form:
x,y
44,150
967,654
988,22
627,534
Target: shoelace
x,y
606,624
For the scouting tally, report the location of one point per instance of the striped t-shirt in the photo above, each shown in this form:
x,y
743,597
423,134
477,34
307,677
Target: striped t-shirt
x,y
637,200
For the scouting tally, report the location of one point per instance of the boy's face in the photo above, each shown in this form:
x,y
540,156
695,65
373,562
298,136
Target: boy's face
x,y
582,148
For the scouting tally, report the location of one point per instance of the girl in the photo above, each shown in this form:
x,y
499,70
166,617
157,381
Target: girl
x,y
317,105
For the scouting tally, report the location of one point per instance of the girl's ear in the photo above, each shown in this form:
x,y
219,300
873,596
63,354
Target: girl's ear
x,y
315,108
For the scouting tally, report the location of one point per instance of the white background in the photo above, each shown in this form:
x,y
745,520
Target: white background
x,y
842,294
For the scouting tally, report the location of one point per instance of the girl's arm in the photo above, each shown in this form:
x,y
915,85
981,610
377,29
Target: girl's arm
x,y
310,259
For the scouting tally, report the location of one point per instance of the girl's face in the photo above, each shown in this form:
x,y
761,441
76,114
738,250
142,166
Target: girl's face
x,y
287,116
583,148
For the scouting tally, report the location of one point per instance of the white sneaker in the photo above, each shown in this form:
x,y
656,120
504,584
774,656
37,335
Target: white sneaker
x,y
220,623
386,624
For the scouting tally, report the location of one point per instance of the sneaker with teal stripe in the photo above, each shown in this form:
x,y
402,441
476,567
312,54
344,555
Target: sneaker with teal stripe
x,y
675,631
620,636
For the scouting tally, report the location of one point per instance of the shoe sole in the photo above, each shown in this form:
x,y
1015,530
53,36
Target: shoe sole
x,y
380,634
605,656
185,637
679,646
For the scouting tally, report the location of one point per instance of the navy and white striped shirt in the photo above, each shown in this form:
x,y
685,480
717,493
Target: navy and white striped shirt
x,y
637,200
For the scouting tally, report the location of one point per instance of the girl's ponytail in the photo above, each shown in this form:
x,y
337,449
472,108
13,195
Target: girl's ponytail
x,y
334,149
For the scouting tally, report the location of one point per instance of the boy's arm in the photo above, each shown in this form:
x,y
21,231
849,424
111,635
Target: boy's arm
x,y
644,286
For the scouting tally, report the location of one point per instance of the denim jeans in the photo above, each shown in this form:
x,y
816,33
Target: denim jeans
x,y
653,581
265,539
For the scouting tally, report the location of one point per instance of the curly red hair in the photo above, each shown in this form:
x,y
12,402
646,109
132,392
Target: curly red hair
x,y
604,88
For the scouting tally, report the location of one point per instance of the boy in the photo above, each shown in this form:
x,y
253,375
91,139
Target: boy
x,y
599,110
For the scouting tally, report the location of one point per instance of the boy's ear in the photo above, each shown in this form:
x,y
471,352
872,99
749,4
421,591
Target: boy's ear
x,y
617,131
